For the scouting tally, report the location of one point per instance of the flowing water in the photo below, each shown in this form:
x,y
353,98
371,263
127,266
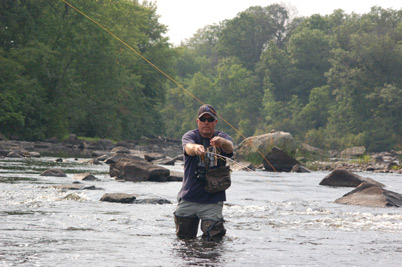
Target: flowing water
x,y
272,219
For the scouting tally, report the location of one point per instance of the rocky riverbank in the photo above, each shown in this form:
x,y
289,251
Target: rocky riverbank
x,y
384,162
166,152
75,147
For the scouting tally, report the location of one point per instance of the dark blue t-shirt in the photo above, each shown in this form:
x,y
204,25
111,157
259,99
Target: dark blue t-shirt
x,y
193,188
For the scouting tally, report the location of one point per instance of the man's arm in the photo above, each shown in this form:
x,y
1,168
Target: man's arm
x,y
194,149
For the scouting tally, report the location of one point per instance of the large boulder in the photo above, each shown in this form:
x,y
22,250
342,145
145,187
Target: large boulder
x,y
264,143
279,160
371,196
352,152
310,152
135,170
344,178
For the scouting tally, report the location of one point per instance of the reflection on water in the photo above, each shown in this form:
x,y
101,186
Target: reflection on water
x,y
283,219
199,252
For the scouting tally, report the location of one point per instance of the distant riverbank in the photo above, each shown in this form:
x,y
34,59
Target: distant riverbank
x,y
384,162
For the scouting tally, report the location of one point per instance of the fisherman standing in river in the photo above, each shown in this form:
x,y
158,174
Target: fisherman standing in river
x,y
195,202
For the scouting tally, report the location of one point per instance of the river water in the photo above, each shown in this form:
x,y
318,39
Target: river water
x,y
272,219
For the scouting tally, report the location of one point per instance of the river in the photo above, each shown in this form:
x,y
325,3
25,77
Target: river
x,y
272,219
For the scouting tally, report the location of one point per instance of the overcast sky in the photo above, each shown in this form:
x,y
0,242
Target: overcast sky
x,y
185,17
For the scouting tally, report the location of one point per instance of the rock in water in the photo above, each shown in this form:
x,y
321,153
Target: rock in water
x,y
53,172
159,201
118,197
344,178
85,177
299,168
133,170
281,161
371,196
265,143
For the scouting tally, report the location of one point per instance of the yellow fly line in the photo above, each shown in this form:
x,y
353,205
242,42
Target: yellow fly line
x,y
166,75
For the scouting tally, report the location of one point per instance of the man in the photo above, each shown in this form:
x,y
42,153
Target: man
x,y
194,202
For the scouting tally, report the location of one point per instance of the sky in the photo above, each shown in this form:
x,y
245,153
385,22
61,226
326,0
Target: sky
x,y
185,17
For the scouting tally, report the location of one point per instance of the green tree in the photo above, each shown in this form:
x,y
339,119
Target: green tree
x,y
309,52
72,76
237,97
247,35
364,70
315,114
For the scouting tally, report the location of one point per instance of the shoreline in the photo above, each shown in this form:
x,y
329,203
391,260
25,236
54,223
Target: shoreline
x,y
384,162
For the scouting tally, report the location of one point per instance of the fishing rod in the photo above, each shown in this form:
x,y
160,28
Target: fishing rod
x,y
167,76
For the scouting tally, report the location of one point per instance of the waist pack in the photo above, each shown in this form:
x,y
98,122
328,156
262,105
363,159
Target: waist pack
x,y
217,179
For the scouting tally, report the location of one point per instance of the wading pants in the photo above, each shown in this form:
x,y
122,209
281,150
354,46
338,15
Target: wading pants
x,y
188,215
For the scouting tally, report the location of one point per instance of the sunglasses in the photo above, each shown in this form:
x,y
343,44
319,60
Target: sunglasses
x,y
210,119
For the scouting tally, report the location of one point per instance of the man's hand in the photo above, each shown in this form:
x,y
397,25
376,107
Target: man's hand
x,y
199,150
225,144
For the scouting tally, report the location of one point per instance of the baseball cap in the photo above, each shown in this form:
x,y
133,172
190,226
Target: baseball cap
x,y
207,109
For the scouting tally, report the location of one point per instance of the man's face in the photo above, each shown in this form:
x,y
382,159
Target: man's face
x,y
206,127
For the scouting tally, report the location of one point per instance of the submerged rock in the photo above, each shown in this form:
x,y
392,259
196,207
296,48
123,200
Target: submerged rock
x,y
159,201
371,196
344,178
299,168
65,187
118,197
53,172
85,177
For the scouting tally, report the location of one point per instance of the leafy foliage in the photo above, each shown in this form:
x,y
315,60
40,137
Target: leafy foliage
x,y
65,74
332,81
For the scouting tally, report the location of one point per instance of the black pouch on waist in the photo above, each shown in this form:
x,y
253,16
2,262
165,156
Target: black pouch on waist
x,y
217,179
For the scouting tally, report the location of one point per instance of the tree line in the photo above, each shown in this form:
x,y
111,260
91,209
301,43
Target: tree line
x,y
332,81
61,73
